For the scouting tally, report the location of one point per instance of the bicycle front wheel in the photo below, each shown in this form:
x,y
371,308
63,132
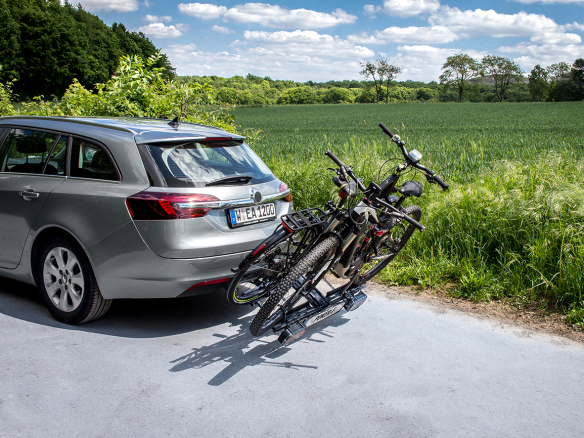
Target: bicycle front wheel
x,y
391,243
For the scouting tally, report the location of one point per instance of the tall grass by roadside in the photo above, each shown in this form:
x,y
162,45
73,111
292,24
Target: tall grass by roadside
x,y
512,224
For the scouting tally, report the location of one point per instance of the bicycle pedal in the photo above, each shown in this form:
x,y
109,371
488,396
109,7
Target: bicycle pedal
x,y
355,301
291,334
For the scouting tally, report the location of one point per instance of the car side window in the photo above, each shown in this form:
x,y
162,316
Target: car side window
x,y
25,151
58,158
91,161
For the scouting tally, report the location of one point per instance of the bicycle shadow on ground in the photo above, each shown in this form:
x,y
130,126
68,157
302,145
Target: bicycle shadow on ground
x,y
242,350
144,318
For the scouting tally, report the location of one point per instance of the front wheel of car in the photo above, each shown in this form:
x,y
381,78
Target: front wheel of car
x,y
67,283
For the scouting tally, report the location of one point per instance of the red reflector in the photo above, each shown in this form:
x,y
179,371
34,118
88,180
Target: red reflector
x,y
149,205
287,228
342,194
206,283
259,249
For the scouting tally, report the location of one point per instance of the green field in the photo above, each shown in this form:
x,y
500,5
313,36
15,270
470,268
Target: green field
x,y
512,225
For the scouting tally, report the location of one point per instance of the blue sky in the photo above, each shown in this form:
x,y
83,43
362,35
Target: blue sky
x,y
307,40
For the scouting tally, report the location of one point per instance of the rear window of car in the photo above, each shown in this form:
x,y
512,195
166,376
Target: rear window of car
x,y
197,164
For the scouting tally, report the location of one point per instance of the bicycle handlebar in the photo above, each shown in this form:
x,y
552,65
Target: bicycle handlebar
x,y
386,130
335,159
441,183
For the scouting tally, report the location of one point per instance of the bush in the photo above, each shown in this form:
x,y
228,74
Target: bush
x,y
138,89
298,95
338,95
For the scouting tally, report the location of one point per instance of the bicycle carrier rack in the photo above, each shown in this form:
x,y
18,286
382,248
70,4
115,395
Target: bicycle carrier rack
x,y
349,297
304,219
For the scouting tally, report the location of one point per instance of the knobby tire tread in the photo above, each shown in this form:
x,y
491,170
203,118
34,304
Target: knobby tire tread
x,y
287,282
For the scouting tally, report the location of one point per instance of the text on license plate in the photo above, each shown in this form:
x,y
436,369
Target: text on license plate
x,y
252,215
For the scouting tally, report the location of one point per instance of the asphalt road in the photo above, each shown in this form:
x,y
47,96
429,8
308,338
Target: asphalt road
x,y
190,368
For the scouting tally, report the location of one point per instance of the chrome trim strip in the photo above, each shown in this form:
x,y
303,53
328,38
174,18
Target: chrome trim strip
x,y
245,202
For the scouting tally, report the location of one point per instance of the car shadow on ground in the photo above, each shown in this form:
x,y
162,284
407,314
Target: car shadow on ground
x,y
167,317
145,318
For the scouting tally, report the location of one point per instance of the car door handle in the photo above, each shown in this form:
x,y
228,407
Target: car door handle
x,y
29,195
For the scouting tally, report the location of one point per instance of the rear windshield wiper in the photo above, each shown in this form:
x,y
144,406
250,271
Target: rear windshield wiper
x,y
237,179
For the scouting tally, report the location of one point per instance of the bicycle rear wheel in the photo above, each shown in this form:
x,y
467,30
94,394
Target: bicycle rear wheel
x,y
391,243
287,295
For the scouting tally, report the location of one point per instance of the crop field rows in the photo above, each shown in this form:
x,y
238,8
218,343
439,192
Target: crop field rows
x,y
512,225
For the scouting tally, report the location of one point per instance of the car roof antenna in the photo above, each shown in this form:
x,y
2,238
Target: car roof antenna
x,y
174,123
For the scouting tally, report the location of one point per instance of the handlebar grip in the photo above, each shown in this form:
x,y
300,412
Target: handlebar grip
x,y
386,130
441,183
334,158
414,222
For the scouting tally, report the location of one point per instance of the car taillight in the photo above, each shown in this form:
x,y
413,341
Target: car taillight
x,y
157,206
283,188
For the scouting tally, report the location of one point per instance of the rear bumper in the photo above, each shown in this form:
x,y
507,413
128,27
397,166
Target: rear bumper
x,y
126,268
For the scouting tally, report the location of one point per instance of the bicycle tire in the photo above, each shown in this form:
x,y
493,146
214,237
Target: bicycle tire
x,y
413,211
239,291
313,260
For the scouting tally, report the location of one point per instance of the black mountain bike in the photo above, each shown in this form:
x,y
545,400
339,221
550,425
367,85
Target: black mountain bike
x,y
353,240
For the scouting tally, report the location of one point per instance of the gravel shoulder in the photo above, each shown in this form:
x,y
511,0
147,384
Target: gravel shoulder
x,y
528,318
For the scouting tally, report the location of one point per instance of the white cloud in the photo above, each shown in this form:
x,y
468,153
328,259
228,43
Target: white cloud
x,y
222,29
159,30
424,63
109,5
417,35
204,11
404,8
276,16
298,55
305,42
549,2
365,38
406,35
477,23
574,25
545,54
156,19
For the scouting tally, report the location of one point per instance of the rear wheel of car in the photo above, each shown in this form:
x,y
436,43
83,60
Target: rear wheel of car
x,y
67,283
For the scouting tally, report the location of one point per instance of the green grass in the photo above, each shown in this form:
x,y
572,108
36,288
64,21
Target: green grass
x,y
512,224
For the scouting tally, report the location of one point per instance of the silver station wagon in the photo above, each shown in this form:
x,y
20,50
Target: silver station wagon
x,y
94,209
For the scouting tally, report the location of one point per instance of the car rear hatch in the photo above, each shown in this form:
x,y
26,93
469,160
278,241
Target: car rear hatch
x,y
209,195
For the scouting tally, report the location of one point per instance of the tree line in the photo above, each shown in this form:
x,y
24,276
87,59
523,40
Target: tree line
x,y
44,45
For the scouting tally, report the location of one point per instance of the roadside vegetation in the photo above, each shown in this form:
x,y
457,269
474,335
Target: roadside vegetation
x,y
512,224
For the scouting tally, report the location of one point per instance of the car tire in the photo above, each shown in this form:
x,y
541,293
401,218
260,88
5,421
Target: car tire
x,y
67,284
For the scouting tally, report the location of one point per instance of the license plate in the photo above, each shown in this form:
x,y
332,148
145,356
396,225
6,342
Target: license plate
x,y
239,217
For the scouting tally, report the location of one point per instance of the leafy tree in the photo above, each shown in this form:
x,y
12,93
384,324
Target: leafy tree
x,y
298,95
45,45
227,95
538,83
577,75
501,71
370,71
425,93
6,108
457,70
556,71
338,95
387,73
